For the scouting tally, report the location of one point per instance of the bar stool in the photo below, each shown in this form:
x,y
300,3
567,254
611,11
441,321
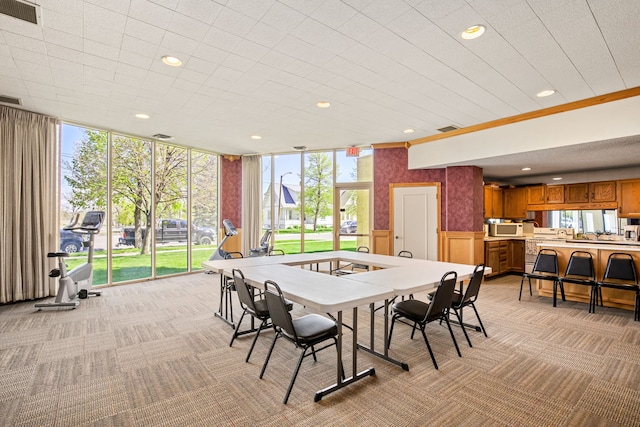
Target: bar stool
x,y
620,273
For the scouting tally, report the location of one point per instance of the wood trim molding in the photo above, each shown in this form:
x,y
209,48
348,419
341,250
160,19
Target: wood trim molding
x,y
576,105
404,144
231,157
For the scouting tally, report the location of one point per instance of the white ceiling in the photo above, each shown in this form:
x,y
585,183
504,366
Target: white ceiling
x,y
258,67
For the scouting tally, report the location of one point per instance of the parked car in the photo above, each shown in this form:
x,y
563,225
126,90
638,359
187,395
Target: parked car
x,y
171,230
71,242
349,227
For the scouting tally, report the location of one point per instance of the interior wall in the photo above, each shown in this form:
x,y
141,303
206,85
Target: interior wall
x,y
231,190
464,199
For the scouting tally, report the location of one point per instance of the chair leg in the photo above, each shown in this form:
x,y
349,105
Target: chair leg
x,y
235,332
266,361
484,331
530,291
459,316
295,375
521,283
453,337
433,358
255,338
562,290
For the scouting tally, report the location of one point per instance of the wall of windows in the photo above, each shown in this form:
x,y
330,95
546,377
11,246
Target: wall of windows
x,y
161,202
298,197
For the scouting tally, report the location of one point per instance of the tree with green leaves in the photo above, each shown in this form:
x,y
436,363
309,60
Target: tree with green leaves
x,y
318,186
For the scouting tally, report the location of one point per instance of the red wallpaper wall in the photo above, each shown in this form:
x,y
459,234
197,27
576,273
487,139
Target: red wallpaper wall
x,y
231,191
461,190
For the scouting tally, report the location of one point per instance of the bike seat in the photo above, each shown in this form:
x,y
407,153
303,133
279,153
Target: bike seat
x,y
57,255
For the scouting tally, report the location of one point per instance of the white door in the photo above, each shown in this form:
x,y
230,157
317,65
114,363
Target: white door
x,y
415,221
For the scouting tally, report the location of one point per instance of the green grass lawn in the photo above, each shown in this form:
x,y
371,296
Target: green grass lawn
x,y
128,264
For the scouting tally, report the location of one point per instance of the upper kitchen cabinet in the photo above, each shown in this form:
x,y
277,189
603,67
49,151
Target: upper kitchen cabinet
x,y
602,191
576,193
555,194
492,202
536,195
629,198
515,202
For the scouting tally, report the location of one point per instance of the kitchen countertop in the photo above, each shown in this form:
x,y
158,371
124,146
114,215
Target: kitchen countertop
x,y
605,242
590,245
497,239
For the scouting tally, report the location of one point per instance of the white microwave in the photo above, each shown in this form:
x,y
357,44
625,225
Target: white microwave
x,y
506,229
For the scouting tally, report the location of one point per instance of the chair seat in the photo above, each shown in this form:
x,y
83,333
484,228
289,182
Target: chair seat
x,y
621,286
313,327
541,276
412,309
578,280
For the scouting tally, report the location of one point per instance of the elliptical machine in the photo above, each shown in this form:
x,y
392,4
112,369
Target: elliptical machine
x,y
229,230
76,284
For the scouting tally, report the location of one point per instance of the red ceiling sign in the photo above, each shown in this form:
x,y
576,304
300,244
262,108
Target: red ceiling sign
x,y
353,152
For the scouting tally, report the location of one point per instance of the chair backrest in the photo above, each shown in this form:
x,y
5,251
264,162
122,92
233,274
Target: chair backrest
x,y
363,249
280,315
405,254
471,294
232,255
276,252
441,300
546,262
242,288
620,266
580,264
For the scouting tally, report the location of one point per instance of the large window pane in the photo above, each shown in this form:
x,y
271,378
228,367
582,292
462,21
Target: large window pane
x,y
287,198
132,204
83,188
318,202
204,207
172,227
354,169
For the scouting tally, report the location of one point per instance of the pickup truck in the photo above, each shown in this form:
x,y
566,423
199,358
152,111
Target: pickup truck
x,y
170,230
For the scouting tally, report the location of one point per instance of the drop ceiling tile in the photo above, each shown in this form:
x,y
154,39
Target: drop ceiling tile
x,y
255,10
235,23
99,49
359,28
102,35
100,62
22,55
151,13
202,66
61,52
188,27
385,11
250,50
114,5
265,35
436,9
93,73
283,18
238,63
221,39
111,20
333,13
71,24
63,39
139,47
192,77
26,43
143,31
135,60
12,25
204,11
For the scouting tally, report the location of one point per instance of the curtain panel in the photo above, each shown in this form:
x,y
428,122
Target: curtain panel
x,y
28,205
251,202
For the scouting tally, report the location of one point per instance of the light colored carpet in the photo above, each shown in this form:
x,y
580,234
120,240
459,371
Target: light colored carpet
x,y
153,354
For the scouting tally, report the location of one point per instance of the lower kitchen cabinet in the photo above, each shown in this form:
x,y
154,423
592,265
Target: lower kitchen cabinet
x,y
504,256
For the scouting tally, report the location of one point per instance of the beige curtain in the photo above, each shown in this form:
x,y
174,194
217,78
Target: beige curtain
x,y
251,202
28,211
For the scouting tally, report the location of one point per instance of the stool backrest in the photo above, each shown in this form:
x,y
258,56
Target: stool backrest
x,y
580,264
546,262
620,266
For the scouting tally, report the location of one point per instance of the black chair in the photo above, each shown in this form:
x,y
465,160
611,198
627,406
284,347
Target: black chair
x,y
256,307
304,332
226,287
352,267
545,268
276,252
461,299
420,313
580,271
620,273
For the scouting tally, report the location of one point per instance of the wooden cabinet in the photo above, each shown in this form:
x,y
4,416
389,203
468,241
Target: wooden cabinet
x,y
492,202
536,195
555,194
516,255
629,198
576,193
515,202
602,191
504,256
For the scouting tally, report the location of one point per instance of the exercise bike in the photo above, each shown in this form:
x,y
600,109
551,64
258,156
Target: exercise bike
x,y
75,284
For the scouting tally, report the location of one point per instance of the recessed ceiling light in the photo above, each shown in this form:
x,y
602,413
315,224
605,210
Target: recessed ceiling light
x,y
557,178
323,104
409,130
473,32
171,61
256,137
544,93
526,169
142,116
